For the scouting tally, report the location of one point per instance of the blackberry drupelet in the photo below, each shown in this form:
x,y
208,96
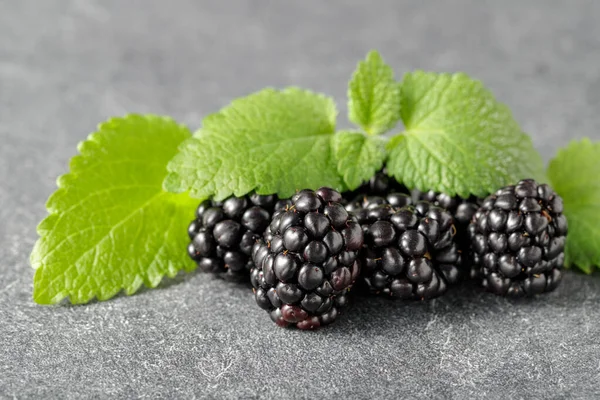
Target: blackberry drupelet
x,y
409,250
308,261
518,238
462,211
224,233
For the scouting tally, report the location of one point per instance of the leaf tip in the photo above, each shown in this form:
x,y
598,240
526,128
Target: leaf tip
x,y
374,55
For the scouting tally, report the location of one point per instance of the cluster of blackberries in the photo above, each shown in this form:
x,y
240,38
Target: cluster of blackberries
x,y
303,255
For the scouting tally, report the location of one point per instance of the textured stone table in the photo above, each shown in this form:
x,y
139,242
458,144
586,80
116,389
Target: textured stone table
x,y
67,65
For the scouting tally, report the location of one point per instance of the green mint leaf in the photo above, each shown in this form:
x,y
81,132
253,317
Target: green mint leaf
x,y
110,226
271,141
574,176
358,156
374,96
458,138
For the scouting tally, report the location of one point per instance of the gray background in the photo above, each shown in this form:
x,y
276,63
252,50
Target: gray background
x,y
67,65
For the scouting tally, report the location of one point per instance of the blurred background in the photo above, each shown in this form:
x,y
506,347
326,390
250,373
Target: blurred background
x,y
95,59
66,65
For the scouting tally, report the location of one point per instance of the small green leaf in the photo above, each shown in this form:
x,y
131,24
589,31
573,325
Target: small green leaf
x,y
574,176
358,156
458,138
374,96
271,141
110,226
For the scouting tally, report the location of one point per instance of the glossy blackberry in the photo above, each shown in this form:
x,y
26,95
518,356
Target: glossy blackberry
x,y
379,185
462,211
223,233
518,239
367,209
409,250
308,261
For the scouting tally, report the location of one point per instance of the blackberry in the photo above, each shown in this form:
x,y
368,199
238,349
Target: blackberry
x,y
362,206
409,250
223,233
308,262
518,239
379,185
462,211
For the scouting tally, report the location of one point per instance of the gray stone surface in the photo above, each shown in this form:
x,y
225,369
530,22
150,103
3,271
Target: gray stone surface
x,y
67,65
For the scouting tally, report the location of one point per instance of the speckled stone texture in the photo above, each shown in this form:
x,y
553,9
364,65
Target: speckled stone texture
x,y
67,65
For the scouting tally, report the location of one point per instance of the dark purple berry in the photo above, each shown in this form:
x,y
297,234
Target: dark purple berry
x,y
311,302
353,236
285,220
316,224
518,239
462,210
288,292
262,299
379,185
293,314
409,252
309,323
285,266
224,234
310,277
381,233
337,214
413,243
315,252
329,195
334,241
295,238
227,233
307,260
234,207
256,219
307,201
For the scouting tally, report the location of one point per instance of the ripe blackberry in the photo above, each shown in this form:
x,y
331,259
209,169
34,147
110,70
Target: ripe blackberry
x,y
305,268
518,239
462,211
224,233
379,185
362,206
409,250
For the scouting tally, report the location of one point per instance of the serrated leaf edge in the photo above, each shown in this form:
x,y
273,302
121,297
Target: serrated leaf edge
x,y
174,182
93,139
470,189
591,263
